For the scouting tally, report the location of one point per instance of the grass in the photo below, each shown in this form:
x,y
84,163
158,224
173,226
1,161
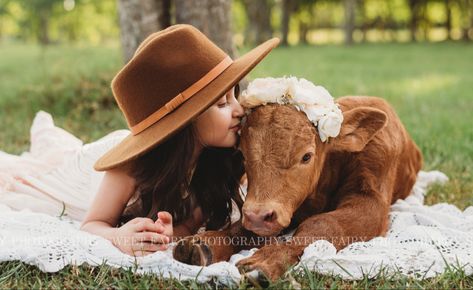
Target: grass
x,y
430,86
19,275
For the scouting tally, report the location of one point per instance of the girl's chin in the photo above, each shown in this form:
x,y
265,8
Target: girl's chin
x,y
230,141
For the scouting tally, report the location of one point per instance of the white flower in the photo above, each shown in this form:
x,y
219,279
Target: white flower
x,y
315,112
262,91
329,125
323,96
301,91
249,101
315,101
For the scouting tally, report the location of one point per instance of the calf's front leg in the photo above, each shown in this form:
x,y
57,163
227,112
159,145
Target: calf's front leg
x,y
357,218
215,246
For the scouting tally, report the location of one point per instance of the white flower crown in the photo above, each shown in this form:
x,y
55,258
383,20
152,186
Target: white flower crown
x,y
315,101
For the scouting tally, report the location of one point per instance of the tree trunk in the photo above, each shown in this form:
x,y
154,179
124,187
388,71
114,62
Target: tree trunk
x,y
390,22
415,6
138,19
425,21
471,22
364,21
166,19
303,32
466,7
43,27
3,12
350,6
259,21
448,22
212,17
287,9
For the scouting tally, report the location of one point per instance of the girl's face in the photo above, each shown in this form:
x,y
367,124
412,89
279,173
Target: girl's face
x,y
218,126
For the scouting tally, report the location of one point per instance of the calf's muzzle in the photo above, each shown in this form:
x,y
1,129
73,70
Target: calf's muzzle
x,y
261,220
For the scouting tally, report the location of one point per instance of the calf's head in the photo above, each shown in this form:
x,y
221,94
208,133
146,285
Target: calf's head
x,y
284,157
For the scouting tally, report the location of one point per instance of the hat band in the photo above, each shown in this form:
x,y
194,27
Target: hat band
x,y
182,97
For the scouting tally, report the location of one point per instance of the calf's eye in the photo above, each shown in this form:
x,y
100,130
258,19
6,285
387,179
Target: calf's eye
x,y
306,157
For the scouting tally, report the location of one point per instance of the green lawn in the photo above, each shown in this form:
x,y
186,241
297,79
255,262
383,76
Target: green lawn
x,y
430,85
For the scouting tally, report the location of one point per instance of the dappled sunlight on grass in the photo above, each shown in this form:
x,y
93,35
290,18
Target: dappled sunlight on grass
x,y
423,86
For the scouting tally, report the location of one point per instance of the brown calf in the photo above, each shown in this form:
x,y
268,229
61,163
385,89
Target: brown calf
x,y
339,190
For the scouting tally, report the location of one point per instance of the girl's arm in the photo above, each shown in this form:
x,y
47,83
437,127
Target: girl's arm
x,y
114,193
138,237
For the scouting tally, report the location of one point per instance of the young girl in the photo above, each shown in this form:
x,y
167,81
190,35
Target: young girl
x,y
178,170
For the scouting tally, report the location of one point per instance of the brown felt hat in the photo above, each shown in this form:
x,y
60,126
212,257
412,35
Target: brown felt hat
x,y
174,76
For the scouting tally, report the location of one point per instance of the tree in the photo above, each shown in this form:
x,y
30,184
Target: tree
x,y
138,19
259,21
471,20
448,21
304,28
350,6
288,7
304,11
3,11
212,17
466,17
40,13
417,8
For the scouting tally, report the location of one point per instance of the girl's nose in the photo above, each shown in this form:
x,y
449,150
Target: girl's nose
x,y
238,110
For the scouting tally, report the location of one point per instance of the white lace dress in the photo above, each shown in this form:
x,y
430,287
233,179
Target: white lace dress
x,y
45,193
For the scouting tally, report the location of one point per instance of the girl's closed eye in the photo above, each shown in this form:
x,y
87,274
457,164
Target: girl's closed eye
x,y
222,103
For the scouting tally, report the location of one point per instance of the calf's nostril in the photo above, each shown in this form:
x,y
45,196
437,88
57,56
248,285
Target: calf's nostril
x,y
270,216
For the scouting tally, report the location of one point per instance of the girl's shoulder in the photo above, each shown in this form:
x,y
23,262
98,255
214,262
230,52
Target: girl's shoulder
x,y
123,173
120,179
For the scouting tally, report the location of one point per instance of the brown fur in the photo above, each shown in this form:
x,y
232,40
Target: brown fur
x,y
342,194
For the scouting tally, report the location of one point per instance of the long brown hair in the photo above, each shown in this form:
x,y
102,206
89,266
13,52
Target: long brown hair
x,y
163,178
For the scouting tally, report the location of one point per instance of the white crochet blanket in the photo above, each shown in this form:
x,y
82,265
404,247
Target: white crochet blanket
x,y
56,175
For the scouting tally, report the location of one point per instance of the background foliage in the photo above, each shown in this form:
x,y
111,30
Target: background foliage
x,y
60,56
312,21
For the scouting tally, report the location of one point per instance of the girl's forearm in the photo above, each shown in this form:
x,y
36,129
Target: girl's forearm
x,y
99,228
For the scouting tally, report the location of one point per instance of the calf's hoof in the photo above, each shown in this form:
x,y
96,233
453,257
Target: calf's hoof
x,y
193,251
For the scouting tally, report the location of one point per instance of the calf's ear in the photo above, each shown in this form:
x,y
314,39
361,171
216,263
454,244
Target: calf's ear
x,y
359,126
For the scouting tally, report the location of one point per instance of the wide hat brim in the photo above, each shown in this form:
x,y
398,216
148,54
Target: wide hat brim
x,y
134,146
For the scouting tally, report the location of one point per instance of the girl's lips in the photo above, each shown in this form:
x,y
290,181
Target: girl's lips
x,y
235,128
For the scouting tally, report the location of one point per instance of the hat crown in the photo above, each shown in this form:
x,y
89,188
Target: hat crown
x,y
165,64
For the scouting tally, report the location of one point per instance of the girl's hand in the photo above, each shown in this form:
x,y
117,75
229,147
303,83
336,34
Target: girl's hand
x,y
165,221
142,236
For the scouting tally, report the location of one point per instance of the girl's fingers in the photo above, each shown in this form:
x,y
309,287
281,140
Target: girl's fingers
x,y
160,227
165,217
151,237
147,226
140,219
